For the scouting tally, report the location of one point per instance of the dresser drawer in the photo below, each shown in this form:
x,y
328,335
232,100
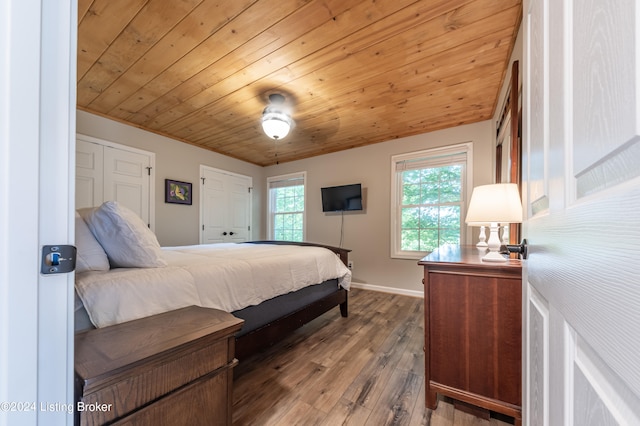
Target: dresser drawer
x,y
193,405
136,386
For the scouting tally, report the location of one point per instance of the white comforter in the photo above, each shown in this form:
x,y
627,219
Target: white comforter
x,y
221,276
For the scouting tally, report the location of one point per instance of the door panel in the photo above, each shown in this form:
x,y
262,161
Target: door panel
x,y
89,174
538,359
538,111
240,202
582,192
126,180
600,398
604,80
214,208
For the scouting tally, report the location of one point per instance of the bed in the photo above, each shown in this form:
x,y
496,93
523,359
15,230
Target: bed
x,y
275,287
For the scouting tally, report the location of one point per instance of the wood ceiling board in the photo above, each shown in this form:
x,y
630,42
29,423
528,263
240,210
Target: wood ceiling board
x,y
110,17
277,62
356,72
266,39
189,33
456,63
218,107
148,27
200,68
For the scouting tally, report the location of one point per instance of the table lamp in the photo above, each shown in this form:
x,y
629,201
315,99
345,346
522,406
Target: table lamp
x,y
494,204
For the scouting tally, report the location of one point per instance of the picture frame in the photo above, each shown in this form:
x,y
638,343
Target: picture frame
x,y
177,192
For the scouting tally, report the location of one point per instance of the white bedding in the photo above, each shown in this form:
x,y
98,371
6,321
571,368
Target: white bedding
x,y
222,276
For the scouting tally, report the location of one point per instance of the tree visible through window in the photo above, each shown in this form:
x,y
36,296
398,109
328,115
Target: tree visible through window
x,y
431,207
287,207
288,214
428,204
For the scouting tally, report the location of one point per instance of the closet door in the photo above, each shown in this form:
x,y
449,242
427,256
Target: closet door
x,y
106,171
225,214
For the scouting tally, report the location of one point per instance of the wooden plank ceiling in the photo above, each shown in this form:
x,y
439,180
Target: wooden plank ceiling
x,y
355,72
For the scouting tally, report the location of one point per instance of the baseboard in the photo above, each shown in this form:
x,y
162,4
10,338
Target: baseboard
x,y
383,289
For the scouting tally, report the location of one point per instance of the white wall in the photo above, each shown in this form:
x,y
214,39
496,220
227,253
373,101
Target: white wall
x,y
176,224
368,233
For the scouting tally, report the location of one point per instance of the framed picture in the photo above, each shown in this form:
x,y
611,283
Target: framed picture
x,y
177,192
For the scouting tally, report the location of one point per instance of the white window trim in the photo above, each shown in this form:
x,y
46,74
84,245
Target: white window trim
x,y
270,201
467,148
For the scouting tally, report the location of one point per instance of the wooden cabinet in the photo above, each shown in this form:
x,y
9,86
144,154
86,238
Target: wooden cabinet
x,y
473,331
172,368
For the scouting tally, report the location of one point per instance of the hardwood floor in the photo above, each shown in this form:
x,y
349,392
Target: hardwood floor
x,y
367,369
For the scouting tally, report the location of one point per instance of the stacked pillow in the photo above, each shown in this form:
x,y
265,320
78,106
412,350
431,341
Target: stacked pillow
x,y
90,255
126,240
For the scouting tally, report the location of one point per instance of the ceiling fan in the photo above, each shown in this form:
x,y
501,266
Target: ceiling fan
x,y
306,121
276,117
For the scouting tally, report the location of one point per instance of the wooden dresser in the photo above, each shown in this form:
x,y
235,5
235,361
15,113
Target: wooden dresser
x,y
173,368
473,330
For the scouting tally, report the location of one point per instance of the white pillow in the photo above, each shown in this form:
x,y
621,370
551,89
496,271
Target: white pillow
x,y
90,255
125,237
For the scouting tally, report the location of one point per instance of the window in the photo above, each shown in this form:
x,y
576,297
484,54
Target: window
x,y
429,192
287,207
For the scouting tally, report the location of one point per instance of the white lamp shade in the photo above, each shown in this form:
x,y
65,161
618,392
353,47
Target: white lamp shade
x,y
276,125
497,203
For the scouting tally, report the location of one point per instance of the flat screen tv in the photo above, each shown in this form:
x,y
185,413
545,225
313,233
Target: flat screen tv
x,y
342,198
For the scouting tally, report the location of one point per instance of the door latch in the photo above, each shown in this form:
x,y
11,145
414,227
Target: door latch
x,y
522,249
58,259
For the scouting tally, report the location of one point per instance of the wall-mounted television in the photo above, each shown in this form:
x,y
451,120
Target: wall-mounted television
x,y
342,198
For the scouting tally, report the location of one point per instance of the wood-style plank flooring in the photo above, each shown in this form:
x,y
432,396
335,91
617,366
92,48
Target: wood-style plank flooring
x,y
367,369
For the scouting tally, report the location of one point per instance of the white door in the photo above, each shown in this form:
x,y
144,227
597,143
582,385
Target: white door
x,y
581,190
107,171
225,206
37,132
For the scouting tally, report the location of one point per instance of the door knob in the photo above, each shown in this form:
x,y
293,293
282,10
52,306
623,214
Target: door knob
x,y
231,233
224,233
522,249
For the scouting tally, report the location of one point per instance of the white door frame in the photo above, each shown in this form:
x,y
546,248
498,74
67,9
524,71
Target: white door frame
x,y
37,127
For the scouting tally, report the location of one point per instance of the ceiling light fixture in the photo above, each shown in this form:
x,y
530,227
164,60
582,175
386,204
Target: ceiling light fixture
x,y
276,119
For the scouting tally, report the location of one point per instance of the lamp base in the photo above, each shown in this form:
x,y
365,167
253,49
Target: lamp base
x,y
494,256
482,237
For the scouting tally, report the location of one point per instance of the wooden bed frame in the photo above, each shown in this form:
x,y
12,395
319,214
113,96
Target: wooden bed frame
x,y
269,334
